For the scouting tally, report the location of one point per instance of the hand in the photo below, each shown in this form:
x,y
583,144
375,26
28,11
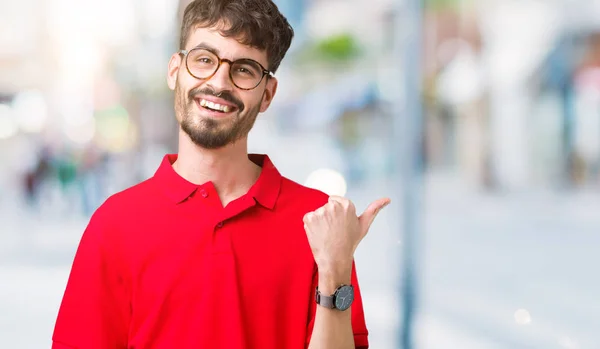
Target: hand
x,y
334,231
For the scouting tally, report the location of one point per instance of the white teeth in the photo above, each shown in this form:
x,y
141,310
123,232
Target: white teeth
x,y
215,106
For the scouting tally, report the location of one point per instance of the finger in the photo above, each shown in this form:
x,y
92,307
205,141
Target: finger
x,y
333,204
336,198
331,207
308,217
320,211
307,229
368,216
343,202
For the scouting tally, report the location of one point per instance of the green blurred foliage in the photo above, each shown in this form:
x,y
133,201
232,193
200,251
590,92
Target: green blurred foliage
x,y
443,4
339,48
332,51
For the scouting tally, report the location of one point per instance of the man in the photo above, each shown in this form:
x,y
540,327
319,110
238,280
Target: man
x,y
217,249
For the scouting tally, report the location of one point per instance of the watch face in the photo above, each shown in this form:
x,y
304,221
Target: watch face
x,y
344,297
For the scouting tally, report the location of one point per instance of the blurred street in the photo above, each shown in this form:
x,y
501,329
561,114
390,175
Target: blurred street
x,y
484,257
500,100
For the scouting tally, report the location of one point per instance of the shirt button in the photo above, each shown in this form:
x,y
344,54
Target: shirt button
x,y
204,193
220,225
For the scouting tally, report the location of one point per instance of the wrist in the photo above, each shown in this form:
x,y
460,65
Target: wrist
x,y
331,278
334,266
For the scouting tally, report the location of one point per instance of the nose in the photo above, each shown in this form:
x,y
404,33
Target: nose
x,y
221,80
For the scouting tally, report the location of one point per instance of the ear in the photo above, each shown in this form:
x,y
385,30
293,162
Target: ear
x,y
270,91
173,69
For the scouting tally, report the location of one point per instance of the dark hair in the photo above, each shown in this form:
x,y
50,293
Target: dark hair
x,y
257,23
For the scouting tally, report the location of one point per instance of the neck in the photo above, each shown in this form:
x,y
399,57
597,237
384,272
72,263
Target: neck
x,y
228,168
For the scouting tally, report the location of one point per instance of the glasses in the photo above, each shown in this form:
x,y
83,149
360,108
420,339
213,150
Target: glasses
x,y
245,73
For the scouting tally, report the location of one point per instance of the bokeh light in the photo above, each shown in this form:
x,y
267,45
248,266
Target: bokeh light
x,y
31,111
81,133
329,181
522,317
8,124
116,132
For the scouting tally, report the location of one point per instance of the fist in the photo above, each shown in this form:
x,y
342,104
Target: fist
x,y
334,230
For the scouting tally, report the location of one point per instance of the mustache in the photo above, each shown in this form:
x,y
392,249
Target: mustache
x,y
226,95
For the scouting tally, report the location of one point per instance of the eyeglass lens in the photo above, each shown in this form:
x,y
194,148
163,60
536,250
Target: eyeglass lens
x,y
245,73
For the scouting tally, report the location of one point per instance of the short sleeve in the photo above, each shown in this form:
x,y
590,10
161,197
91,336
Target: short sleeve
x,y
359,327
94,312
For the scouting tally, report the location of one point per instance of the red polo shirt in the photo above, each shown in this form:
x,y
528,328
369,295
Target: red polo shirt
x,y
164,265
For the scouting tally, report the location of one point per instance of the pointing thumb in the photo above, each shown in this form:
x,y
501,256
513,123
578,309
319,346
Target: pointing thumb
x,y
368,216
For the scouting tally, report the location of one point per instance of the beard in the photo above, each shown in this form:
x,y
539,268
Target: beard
x,y
210,133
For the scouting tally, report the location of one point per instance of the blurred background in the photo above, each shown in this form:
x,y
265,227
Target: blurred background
x,y
505,226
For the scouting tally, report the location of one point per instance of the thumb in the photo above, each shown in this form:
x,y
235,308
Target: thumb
x,y
367,217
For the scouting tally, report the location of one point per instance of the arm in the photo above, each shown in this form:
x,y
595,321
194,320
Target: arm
x,y
332,328
95,310
334,231
354,320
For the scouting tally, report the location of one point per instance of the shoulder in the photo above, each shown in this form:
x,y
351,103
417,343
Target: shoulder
x,y
298,195
125,205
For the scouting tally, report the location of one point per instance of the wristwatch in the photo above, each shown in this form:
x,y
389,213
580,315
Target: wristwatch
x,y
341,299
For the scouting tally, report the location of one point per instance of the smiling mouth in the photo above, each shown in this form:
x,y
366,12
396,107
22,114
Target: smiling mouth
x,y
215,106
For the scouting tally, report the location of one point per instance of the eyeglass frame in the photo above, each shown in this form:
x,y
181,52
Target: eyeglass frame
x,y
186,53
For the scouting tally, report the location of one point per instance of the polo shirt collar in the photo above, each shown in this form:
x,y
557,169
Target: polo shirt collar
x,y
265,191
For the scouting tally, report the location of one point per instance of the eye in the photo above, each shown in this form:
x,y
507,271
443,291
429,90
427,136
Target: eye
x,y
245,71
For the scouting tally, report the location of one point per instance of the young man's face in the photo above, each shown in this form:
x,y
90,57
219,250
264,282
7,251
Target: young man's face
x,y
196,99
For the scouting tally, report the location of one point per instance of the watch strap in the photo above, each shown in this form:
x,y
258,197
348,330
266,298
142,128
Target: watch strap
x,y
324,301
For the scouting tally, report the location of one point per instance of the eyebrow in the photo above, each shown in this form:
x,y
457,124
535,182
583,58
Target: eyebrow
x,y
216,51
208,47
